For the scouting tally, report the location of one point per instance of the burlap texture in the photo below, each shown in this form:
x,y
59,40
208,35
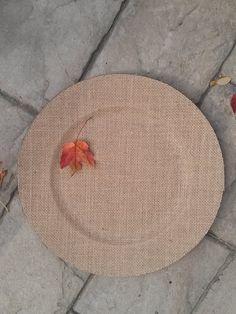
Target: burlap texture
x,y
156,187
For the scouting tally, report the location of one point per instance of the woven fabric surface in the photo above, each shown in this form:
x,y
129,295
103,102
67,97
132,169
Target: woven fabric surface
x,y
156,187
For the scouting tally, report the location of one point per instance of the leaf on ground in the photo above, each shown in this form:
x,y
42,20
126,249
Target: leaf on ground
x,y
224,80
3,173
233,103
76,154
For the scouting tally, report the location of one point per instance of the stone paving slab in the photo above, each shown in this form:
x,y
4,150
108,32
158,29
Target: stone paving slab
x,y
46,44
221,297
172,290
13,123
33,281
216,107
224,226
180,42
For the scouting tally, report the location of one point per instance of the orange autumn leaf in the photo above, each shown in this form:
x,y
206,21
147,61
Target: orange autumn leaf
x,y
3,173
68,154
76,154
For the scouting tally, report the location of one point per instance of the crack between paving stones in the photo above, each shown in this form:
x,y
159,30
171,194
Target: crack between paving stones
x,y
16,103
103,41
204,94
70,267
181,22
12,177
80,277
62,281
230,257
220,241
29,108
80,293
19,310
62,289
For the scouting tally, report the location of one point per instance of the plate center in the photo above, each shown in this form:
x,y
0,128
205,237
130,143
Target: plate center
x,y
138,173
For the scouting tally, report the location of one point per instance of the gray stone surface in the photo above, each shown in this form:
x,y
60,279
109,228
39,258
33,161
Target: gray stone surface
x,y
216,107
180,42
33,281
221,297
169,291
13,123
225,223
45,44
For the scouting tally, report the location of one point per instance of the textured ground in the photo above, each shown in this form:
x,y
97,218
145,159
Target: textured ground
x,y
47,45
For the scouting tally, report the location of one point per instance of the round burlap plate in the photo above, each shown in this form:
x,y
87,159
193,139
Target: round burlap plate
x,y
156,187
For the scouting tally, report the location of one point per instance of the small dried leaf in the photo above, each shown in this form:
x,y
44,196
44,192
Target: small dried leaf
x,y
224,80
3,173
233,103
75,154
212,83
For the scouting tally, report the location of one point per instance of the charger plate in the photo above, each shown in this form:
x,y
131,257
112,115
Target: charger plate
x,y
156,187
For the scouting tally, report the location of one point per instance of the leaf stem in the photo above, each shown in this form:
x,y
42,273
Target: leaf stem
x,y
85,122
82,128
